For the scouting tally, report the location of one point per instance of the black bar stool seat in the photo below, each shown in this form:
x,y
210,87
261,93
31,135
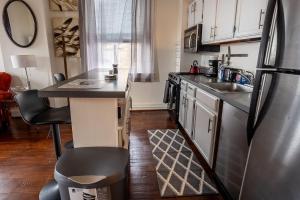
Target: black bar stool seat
x,y
36,111
53,116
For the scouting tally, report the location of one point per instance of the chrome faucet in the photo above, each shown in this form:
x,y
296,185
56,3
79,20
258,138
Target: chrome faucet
x,y
249,76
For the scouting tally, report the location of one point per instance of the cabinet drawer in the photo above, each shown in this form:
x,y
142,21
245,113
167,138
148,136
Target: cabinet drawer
x,y
183,85
191,90
207,99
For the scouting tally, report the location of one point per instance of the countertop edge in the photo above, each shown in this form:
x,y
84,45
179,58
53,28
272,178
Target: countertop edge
x,y
81,94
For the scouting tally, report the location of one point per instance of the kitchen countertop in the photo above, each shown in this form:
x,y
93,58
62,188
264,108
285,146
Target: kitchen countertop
x,y
239,100
96,87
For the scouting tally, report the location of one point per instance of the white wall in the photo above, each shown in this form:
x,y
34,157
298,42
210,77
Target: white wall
x,y
41,76
150,95
42,48
247,63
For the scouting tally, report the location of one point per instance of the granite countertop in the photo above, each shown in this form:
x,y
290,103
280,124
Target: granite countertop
x,y
91,84
239,100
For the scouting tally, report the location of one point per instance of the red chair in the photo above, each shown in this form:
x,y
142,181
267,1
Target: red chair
x,y
5,95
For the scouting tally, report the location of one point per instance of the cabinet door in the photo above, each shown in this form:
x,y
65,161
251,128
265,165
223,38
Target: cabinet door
x,y
198,11
182,110
250,18
189,115
191,15
204,130
225,19
209,20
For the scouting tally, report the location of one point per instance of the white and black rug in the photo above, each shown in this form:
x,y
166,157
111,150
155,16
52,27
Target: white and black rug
x,y
178,171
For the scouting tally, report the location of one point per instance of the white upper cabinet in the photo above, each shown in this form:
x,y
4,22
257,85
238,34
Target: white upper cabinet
x,y
209,20
225,19
195,13
198,11
191,16
250,18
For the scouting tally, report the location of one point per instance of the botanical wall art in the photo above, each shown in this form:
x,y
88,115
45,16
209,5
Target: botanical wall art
x,y
66,36
63,5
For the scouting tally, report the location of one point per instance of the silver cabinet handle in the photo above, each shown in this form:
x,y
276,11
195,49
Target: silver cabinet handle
x,y
186,102
194,7
194,121
215,32
211,32
209,129
260,23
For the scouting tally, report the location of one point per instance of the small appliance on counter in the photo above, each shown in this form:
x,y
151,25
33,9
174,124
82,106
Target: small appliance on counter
x,y
213,63
194,67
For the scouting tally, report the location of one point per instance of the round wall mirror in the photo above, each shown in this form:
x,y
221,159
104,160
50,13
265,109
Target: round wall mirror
x,y
20,23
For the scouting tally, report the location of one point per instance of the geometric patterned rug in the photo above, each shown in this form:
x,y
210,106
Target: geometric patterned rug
x,y
178,171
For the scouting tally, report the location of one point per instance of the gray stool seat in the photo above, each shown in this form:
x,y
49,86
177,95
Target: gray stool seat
x,y
50,191
102,170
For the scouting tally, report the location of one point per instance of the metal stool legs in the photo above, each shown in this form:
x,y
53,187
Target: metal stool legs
x,y
56,140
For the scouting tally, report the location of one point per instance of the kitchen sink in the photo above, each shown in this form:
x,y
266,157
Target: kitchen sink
x,y
230,87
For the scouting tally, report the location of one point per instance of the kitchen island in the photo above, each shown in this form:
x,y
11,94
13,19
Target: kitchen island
x,y
94,104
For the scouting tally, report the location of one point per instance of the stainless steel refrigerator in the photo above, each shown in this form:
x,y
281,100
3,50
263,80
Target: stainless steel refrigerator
x,y
273,165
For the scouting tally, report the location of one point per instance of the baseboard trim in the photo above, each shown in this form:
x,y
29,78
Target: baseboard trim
x,y
149,107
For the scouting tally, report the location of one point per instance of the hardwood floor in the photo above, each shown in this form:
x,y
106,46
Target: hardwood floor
x,y
27,158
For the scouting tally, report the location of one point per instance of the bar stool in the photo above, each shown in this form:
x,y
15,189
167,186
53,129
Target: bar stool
x,y
36,111
59,77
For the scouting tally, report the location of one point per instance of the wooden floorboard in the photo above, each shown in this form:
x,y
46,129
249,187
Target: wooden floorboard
x,y
27,158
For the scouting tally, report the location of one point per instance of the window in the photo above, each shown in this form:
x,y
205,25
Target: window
x,y
113,22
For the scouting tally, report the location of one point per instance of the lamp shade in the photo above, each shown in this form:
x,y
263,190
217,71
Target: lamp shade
x,y
23,61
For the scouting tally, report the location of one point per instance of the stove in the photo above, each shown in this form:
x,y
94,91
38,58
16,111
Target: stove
x,y
172,92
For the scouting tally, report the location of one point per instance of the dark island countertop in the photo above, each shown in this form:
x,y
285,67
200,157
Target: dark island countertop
x,y
239,100
76,87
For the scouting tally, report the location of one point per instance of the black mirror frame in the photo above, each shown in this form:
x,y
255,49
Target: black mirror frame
x,y
4,17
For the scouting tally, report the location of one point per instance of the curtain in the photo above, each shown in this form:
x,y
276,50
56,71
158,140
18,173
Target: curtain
x,y
143,66
118,32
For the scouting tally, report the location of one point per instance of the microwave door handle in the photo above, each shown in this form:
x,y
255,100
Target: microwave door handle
x,y
190,41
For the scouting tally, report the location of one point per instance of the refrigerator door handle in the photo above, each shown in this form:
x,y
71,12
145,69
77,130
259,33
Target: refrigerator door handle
x,y
256,116
266,33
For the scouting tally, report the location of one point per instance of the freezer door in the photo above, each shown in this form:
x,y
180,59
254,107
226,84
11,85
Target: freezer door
x,y
273,166
289,26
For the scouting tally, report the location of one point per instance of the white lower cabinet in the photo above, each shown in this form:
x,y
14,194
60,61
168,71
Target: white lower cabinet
x,y
182,108
198,114
189,115
204,130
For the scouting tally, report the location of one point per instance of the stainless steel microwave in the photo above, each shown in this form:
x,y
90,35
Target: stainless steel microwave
x,y
192,41
192,38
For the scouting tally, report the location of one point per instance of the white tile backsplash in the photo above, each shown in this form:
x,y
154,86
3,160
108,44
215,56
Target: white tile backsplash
x,y
247,63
